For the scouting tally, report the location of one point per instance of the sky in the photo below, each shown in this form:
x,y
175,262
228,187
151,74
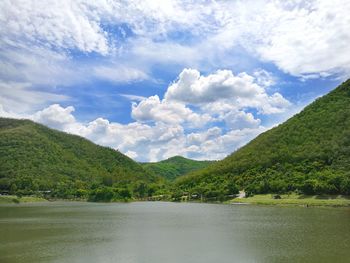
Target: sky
x,y
155,79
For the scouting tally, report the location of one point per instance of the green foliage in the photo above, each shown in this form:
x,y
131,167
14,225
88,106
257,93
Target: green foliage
x,y
36,160
309,153
174,167
218,189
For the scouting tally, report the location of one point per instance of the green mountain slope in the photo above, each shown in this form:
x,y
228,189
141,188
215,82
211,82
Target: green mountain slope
x,y
309,153
174,167
34,158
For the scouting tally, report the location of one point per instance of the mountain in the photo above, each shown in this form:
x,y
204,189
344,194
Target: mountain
x,y
174,167
309,153
34,158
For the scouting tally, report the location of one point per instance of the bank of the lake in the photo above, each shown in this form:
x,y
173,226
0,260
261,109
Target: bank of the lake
x,y
267,199
293,199
12,199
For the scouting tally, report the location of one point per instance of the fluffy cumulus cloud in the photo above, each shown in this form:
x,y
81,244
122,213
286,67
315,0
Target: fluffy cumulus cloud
x,y
240,120
191,87
55,116
198,101
224,90
154,109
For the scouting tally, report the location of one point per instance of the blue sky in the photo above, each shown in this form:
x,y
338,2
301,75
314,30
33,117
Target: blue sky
x,y
155,79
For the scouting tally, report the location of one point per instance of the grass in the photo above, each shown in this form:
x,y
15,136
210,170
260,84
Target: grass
x,y
294,199
10,199
266,199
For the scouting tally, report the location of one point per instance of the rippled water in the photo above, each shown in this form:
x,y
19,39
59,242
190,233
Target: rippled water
x,y
172,232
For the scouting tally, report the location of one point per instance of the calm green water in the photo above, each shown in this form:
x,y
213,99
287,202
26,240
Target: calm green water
x,y
159,232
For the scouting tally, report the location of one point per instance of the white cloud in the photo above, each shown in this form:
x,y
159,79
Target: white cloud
x,y
240,120
196,139
218,148
18,97
133,97
193,88
56,117
131,154
264,78
164,52
153,109
198,100
59,24
36,65
119,73
223,90
40,39
9,114
302,38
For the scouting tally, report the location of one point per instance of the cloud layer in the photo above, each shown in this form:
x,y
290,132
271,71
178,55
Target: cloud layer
x,y
70,42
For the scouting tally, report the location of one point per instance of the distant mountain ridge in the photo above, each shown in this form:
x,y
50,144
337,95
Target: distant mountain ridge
x,y
175,166
309,153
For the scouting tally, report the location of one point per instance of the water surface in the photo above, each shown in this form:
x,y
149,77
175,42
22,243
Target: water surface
x,y
160,232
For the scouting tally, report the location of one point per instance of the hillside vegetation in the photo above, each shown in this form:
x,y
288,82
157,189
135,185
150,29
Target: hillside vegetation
x,y
36,159
174,167
309,154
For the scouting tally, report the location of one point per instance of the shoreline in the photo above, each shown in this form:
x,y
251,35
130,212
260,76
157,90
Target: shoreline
x,y
295,200
13,199
259,200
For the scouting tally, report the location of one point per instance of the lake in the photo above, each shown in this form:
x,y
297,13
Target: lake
x,y
161,232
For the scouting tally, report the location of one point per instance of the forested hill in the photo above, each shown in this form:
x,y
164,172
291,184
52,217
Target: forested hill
x,y
34,158
309,153
174,167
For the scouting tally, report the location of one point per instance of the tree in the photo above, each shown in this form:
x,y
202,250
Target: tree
x,y
308,187
140,189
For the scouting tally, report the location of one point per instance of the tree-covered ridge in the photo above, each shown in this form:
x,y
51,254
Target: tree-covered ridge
x,y
309,153
35,159
174,167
